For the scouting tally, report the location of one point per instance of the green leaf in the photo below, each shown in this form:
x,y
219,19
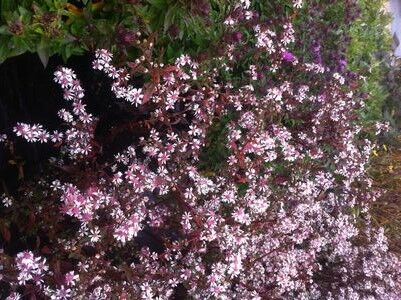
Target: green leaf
x,y
4,30
20,45
24,13
169,17
103,26
7,6
159,4
4,48
43,53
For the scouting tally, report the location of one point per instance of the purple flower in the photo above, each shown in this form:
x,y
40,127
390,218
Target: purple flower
x,y
288,56
237,36
342,64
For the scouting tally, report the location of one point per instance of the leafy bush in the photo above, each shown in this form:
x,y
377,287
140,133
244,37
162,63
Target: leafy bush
x,y
130,213
64,28
42,28
368,54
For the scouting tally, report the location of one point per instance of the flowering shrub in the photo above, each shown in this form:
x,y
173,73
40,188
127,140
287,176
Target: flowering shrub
x,y
286,216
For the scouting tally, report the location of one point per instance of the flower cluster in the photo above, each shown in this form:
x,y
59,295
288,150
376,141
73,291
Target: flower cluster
x,y
77,139
30,268
285,217
32,133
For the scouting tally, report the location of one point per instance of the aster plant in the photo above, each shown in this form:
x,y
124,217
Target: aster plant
x,y
285,216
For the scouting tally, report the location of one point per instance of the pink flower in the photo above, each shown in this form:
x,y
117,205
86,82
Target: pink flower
x,y
30,267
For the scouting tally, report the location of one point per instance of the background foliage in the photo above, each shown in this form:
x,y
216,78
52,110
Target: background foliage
x,y
69,28
368,54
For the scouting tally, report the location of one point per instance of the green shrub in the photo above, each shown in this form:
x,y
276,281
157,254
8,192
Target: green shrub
x,y
370,44
50,27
